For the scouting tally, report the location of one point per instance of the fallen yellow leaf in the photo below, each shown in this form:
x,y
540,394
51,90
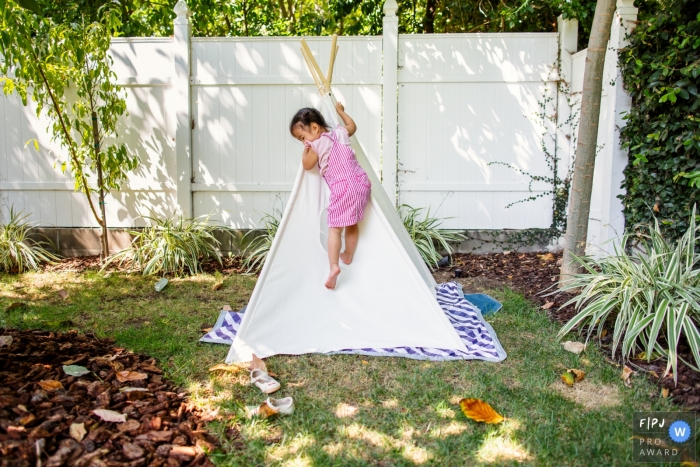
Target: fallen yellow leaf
x,y
263,411
50,385
579,375
480,411
219,281
224,367
547,305
546,257
567,378
365,362
664,393
626,375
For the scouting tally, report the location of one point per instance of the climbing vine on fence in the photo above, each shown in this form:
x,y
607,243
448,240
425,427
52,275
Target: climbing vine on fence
x,y
661,71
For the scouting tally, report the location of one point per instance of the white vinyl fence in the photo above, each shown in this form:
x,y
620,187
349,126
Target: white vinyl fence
x,y
209,117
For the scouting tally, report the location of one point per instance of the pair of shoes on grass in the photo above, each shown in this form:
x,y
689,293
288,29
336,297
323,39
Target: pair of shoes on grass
x,y
267,384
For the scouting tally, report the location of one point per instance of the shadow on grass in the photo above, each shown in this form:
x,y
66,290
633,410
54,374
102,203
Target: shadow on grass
x,y
353,410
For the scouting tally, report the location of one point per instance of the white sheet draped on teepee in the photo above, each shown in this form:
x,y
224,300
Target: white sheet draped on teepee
x,y
385,299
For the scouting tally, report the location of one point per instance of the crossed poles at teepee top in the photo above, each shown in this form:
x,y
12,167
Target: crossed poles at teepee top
x,y
323,83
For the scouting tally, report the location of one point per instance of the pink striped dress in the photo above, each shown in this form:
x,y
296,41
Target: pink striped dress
x,y
348,182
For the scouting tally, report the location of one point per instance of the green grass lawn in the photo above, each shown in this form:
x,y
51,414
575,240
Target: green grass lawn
x,y
353,410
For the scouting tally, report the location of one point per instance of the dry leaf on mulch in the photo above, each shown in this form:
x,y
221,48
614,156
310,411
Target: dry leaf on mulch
x,y
124,376
110,415
50,385
77,431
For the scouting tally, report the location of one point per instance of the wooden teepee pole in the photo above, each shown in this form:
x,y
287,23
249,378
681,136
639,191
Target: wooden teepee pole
x,y
329,75
308,60
310,57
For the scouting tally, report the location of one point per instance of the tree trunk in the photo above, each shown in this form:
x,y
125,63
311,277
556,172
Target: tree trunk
x,y
245,18
429,22
582,183
104,241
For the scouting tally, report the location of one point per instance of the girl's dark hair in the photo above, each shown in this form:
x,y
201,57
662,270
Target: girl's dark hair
x,y
306,117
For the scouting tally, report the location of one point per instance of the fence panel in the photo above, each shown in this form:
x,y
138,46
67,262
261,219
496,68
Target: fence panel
x,y
465,101
32,181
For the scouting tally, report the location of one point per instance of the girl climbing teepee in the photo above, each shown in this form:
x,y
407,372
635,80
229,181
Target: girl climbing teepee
x,y
348,182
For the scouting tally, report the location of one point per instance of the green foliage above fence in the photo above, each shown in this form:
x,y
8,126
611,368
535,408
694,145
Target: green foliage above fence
x,y
661,71
325,17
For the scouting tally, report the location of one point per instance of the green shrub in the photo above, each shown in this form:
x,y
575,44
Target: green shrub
x,y
18,252
661,71
426,234
648,293
255,254
170,246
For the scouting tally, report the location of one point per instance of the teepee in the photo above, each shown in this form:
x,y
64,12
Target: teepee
x,y
384,299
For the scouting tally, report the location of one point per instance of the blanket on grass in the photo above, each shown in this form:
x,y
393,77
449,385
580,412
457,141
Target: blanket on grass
x,y
477,335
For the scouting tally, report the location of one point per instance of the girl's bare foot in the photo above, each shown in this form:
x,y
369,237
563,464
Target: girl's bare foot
x,y
332,277
346,257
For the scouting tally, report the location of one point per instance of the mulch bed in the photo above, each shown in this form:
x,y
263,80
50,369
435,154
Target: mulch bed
x,y
47,417
230,265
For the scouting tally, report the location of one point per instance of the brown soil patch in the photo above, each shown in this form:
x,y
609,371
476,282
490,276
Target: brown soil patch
x,y
591,396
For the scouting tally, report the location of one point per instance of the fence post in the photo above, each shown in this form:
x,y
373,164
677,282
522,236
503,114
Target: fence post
x,y
568,45
390,41
182,108
611,159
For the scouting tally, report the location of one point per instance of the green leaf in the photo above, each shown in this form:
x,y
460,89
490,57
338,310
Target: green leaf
x,y
30,5
75,370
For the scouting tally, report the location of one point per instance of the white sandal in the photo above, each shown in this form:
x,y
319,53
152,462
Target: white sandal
x,y
263,381
270,407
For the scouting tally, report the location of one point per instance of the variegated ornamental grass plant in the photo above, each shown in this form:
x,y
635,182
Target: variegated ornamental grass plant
x,y
171,246
650,293
18,251
426,234
255,253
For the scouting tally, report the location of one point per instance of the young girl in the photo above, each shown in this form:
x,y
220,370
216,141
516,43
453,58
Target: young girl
x,y
349,184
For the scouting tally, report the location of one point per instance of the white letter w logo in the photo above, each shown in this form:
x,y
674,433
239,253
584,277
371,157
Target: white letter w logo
x,y
680,431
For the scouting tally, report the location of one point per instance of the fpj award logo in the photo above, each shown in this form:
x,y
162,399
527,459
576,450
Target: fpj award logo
x,y
664,437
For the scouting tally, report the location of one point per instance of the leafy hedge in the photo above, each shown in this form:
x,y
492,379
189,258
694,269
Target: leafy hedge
x,y
661,71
